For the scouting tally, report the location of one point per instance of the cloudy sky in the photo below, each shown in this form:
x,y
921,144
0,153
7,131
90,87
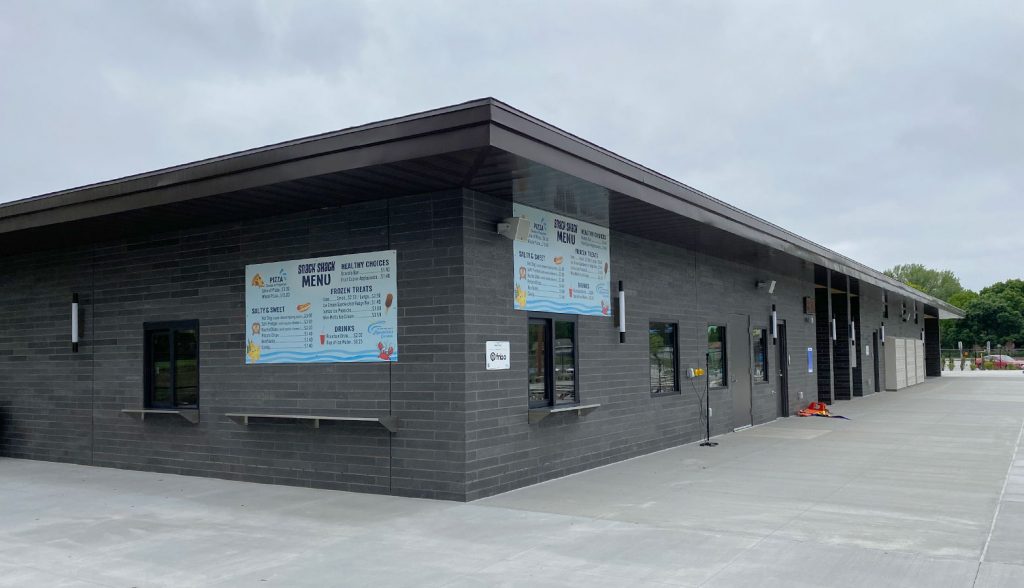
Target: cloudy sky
x,y
892,132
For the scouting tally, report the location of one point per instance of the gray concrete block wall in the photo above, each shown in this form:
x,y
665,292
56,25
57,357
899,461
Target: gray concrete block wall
x,y
428,381
728,287
869,323
662,283
871,319
66,407
464,430
45,389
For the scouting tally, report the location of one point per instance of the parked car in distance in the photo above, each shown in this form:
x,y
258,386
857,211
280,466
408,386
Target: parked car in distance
x,y
1000,362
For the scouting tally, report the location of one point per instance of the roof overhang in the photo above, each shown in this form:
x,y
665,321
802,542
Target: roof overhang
x,y
482,145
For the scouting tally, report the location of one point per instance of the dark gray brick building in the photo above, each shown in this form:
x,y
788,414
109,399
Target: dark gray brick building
x,y
172,247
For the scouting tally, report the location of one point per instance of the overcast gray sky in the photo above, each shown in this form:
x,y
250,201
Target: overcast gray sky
x,y
892,132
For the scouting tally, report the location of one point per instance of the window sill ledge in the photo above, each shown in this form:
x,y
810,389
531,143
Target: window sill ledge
x,y
535,415
666,393
388,422
189,414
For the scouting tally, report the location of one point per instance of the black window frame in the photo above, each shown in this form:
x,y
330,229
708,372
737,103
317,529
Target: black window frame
x,y
765,334
725,354
550,385
676,387
148,329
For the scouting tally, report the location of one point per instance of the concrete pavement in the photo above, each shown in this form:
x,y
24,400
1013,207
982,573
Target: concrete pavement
x,y
923,487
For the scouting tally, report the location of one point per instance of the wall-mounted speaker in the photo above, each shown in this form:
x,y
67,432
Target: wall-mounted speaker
x,y
515,228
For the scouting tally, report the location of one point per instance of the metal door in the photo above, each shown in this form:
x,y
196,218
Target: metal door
x,y
783,363
738,366
876,359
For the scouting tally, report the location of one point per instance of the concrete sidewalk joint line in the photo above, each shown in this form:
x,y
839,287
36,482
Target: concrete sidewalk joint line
x,y
1002,493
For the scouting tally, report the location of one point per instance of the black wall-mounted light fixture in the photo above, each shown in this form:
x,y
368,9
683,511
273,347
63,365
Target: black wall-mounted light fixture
x,y
74,323
622,313
775,324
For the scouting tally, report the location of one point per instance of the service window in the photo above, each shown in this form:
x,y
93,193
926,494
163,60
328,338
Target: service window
x,y
663,357
171,353
717,360
760,347
551,356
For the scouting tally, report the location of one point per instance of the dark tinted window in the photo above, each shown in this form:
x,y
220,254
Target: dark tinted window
x,y
663,357
537,370
716,356
565,362
551,356
760,347
186,373
172,364
160,367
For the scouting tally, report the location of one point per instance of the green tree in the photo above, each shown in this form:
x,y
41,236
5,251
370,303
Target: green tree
x,y
942,284
1008,289
995,314
953,331
963,298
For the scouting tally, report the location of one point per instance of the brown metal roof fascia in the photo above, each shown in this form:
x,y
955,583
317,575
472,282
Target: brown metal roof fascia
x,y
533,139
419,135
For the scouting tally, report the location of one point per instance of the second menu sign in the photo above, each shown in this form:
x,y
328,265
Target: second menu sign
x,y
323,309
563,266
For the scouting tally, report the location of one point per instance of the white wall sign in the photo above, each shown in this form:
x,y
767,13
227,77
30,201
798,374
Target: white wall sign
x,y
324,309
563,266
498,355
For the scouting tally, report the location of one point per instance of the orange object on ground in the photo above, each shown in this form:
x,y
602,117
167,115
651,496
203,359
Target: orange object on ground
x,y
814,409
818,409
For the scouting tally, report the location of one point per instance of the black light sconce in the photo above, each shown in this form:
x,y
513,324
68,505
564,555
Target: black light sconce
x,y
775,324
74,323
622,313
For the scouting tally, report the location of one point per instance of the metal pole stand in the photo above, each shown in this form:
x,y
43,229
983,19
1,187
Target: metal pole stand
x,y
707,403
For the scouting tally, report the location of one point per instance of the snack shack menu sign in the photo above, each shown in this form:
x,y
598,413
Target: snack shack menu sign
x,y
325,309
563,266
